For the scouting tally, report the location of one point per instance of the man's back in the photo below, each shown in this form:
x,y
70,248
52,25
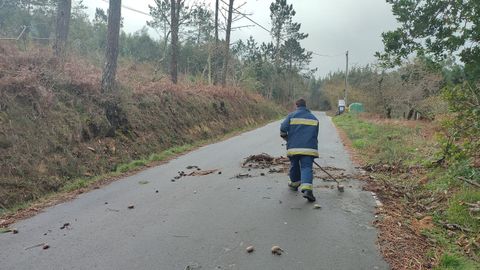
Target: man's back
x,y
301,127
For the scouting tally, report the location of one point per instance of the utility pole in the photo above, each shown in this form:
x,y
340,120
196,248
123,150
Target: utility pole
x,y
346,80
216,54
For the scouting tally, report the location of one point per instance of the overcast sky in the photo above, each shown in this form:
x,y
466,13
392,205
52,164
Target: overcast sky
x,y
334,26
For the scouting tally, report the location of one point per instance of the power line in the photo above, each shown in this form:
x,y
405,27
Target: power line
x,y
270,32
244,15
133,9
327,55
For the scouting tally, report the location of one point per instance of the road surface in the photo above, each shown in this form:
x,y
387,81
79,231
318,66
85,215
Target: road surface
x,y
206,222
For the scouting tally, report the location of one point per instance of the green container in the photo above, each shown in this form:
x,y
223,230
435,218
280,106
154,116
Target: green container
x,y
356,108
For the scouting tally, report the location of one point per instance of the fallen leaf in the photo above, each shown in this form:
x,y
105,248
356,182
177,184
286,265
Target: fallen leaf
x,y
425,223
423,180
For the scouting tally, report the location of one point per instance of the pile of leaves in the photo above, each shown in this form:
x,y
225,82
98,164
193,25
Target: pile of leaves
x,y
264,161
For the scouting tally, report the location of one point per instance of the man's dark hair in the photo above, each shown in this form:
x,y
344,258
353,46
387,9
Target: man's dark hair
x,y
301,103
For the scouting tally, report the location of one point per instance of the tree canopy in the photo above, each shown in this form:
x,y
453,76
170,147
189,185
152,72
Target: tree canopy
x,y
436,29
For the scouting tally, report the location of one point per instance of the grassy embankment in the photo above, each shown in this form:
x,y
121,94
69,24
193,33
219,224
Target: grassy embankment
x,y
429,217
59,133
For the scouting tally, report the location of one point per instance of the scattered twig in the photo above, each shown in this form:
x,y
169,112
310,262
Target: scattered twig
x,y
469,181
192,266
452,226
242,175
37,245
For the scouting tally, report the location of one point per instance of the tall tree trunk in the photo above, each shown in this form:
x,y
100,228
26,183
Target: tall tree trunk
x,y
215,53
111,54
64,8
217,3
174,13
388,112
277,53
410,114
209,62
227,44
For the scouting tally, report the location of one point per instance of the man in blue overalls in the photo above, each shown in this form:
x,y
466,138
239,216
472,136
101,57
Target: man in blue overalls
x,y
300,130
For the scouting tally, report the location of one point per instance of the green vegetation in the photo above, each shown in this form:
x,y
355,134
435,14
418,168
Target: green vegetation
x,y
385,144
458,213
435,176
409,156
453,262
411,91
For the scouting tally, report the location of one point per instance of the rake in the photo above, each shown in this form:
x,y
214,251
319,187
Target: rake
x,y
340,188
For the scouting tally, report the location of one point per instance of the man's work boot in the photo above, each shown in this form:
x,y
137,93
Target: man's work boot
x,y
308,194
294,185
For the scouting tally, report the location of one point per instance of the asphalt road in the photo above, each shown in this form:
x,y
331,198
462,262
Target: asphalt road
x,y
206,222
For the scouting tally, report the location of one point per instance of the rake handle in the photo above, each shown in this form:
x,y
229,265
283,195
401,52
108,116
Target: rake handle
x,y
323,170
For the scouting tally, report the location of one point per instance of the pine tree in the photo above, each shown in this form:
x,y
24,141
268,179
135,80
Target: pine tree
x,y
64,8
111,54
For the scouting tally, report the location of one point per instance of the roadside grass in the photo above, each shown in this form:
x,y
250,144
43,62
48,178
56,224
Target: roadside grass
x,y
122,170
134,165
426,190
457,213
385,144
454,262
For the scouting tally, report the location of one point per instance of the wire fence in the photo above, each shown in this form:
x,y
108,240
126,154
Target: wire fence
x,y
24,35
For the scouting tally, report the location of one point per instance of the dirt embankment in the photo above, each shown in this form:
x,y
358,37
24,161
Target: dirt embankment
x,y
56,125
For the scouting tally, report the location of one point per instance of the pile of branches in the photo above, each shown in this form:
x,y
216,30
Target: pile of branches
x,y
264,161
